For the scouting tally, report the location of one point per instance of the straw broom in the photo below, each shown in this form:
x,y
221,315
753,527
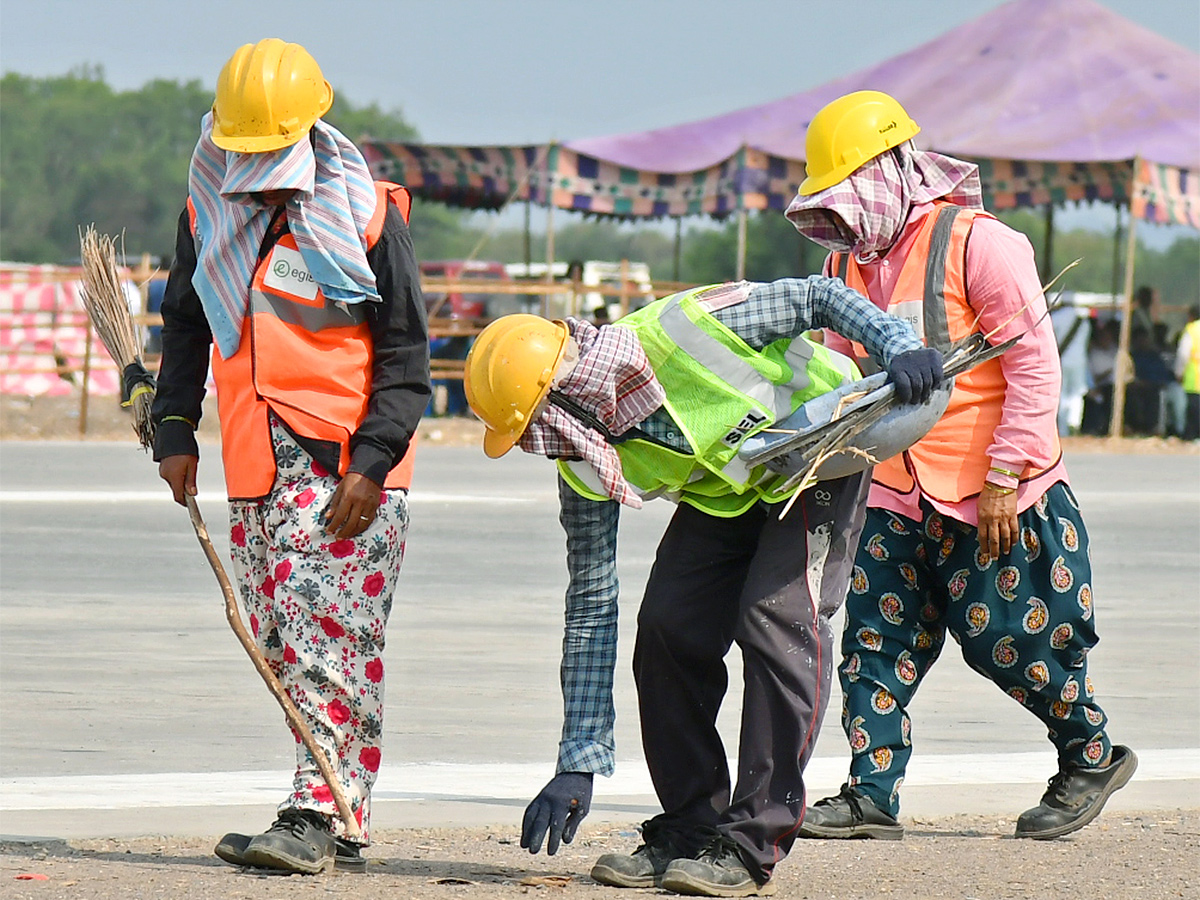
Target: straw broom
x,y
108,310
109,313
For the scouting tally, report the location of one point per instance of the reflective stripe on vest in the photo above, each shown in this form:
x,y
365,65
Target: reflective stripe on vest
x,y
951,461
304,358
719,391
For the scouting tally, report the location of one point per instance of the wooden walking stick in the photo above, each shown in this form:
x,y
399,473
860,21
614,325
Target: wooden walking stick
x,y
104,300
233,614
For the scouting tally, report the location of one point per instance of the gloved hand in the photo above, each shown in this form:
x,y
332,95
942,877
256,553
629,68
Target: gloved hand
x,y
559,808
915,374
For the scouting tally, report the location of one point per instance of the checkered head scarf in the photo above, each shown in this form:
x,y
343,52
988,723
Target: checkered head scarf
x,y
612,381
865,212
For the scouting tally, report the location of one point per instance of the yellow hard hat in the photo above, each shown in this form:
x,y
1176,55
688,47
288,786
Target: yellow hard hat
x,y
850,131
509,371
269,95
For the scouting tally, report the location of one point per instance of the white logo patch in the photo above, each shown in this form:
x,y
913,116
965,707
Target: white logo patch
x,y
287,274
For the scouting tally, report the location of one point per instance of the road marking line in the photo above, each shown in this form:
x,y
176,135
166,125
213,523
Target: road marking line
x,y
515,781
75,497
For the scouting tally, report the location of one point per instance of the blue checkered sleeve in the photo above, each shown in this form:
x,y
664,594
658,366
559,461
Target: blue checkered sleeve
x,y
790,306
590,638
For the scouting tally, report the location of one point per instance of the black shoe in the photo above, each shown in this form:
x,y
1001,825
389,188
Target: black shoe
x,y
717,871
299,841
347,858
1075,796
849,814
664,840
232,848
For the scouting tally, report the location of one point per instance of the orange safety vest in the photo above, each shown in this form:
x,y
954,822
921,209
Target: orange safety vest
x,y
951,461
302,357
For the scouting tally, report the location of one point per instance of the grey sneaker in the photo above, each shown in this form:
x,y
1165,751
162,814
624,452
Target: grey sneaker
x,y
347,857
717,871
849,814
1075,796
663,840
299,841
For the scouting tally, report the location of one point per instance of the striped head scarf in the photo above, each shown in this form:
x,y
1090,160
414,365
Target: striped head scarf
x,y
328,217
614,382
864,213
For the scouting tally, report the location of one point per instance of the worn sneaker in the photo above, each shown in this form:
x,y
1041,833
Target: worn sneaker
x,y
849,814
299,841
1075,796
663,840
232,849
717,871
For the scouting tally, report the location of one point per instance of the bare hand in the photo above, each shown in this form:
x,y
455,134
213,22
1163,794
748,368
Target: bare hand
x,y
998,529
353,507
180,473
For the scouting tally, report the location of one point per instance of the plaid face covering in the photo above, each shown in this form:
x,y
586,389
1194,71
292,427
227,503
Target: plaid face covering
x,y
864,213
328,216
614,382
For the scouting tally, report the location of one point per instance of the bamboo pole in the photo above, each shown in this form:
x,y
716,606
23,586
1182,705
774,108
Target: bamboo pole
x,y
740,267
1120,369
678,244
1048,244
233,614
87,378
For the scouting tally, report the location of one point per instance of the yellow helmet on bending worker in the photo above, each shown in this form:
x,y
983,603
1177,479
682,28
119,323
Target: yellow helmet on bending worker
x,y
509,372
269,95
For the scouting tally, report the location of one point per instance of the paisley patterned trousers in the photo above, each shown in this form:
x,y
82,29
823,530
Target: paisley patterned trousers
x,y
1024,621
318,609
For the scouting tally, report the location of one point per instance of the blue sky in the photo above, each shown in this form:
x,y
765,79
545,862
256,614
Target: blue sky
x,y
512,71
524,71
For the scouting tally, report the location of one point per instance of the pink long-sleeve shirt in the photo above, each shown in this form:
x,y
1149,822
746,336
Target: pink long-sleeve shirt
x,y
1004,290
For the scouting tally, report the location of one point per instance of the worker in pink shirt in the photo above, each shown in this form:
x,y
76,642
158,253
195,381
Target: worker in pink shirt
x,y
974,529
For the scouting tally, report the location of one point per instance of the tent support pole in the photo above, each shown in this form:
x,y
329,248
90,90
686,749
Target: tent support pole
x,y
1116,259
678,244
741,245
528,241
1048,245
1120,373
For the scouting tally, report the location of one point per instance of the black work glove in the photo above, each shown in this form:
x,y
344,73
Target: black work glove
x,y
559,808
915,374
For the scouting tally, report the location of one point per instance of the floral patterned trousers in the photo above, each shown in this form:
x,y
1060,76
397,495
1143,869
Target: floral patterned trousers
x,y
1025,622
318,609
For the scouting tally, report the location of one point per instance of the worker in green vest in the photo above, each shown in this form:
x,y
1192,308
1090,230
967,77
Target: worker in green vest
x,y
657,405
1187,370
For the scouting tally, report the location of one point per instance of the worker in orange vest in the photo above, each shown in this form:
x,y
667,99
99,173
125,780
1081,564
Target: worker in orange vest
x,y
299,268
973,529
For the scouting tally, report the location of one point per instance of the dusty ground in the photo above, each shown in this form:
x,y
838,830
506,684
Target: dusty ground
x,y
1129,857
58,418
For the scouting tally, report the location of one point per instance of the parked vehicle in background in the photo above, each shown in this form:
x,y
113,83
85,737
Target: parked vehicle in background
x,y
458,305
600,283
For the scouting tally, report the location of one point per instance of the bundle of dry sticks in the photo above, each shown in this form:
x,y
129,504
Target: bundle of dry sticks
x,y
108,309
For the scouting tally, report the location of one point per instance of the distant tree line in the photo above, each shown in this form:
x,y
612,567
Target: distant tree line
x,y
76,152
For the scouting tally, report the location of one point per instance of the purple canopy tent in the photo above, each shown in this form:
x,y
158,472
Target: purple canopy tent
x,y
1057,100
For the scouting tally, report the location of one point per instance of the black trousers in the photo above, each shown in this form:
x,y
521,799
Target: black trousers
x,y
771,586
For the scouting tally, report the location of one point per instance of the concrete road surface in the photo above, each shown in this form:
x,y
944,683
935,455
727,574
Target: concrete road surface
x,y
128,707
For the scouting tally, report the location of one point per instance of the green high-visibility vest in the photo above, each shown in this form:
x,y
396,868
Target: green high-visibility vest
x,y
1191,371
720,391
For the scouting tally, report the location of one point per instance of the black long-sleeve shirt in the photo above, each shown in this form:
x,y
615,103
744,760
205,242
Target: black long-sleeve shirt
x,y
400,386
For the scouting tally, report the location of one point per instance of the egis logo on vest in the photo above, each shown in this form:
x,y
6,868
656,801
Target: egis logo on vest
x,y
287,274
